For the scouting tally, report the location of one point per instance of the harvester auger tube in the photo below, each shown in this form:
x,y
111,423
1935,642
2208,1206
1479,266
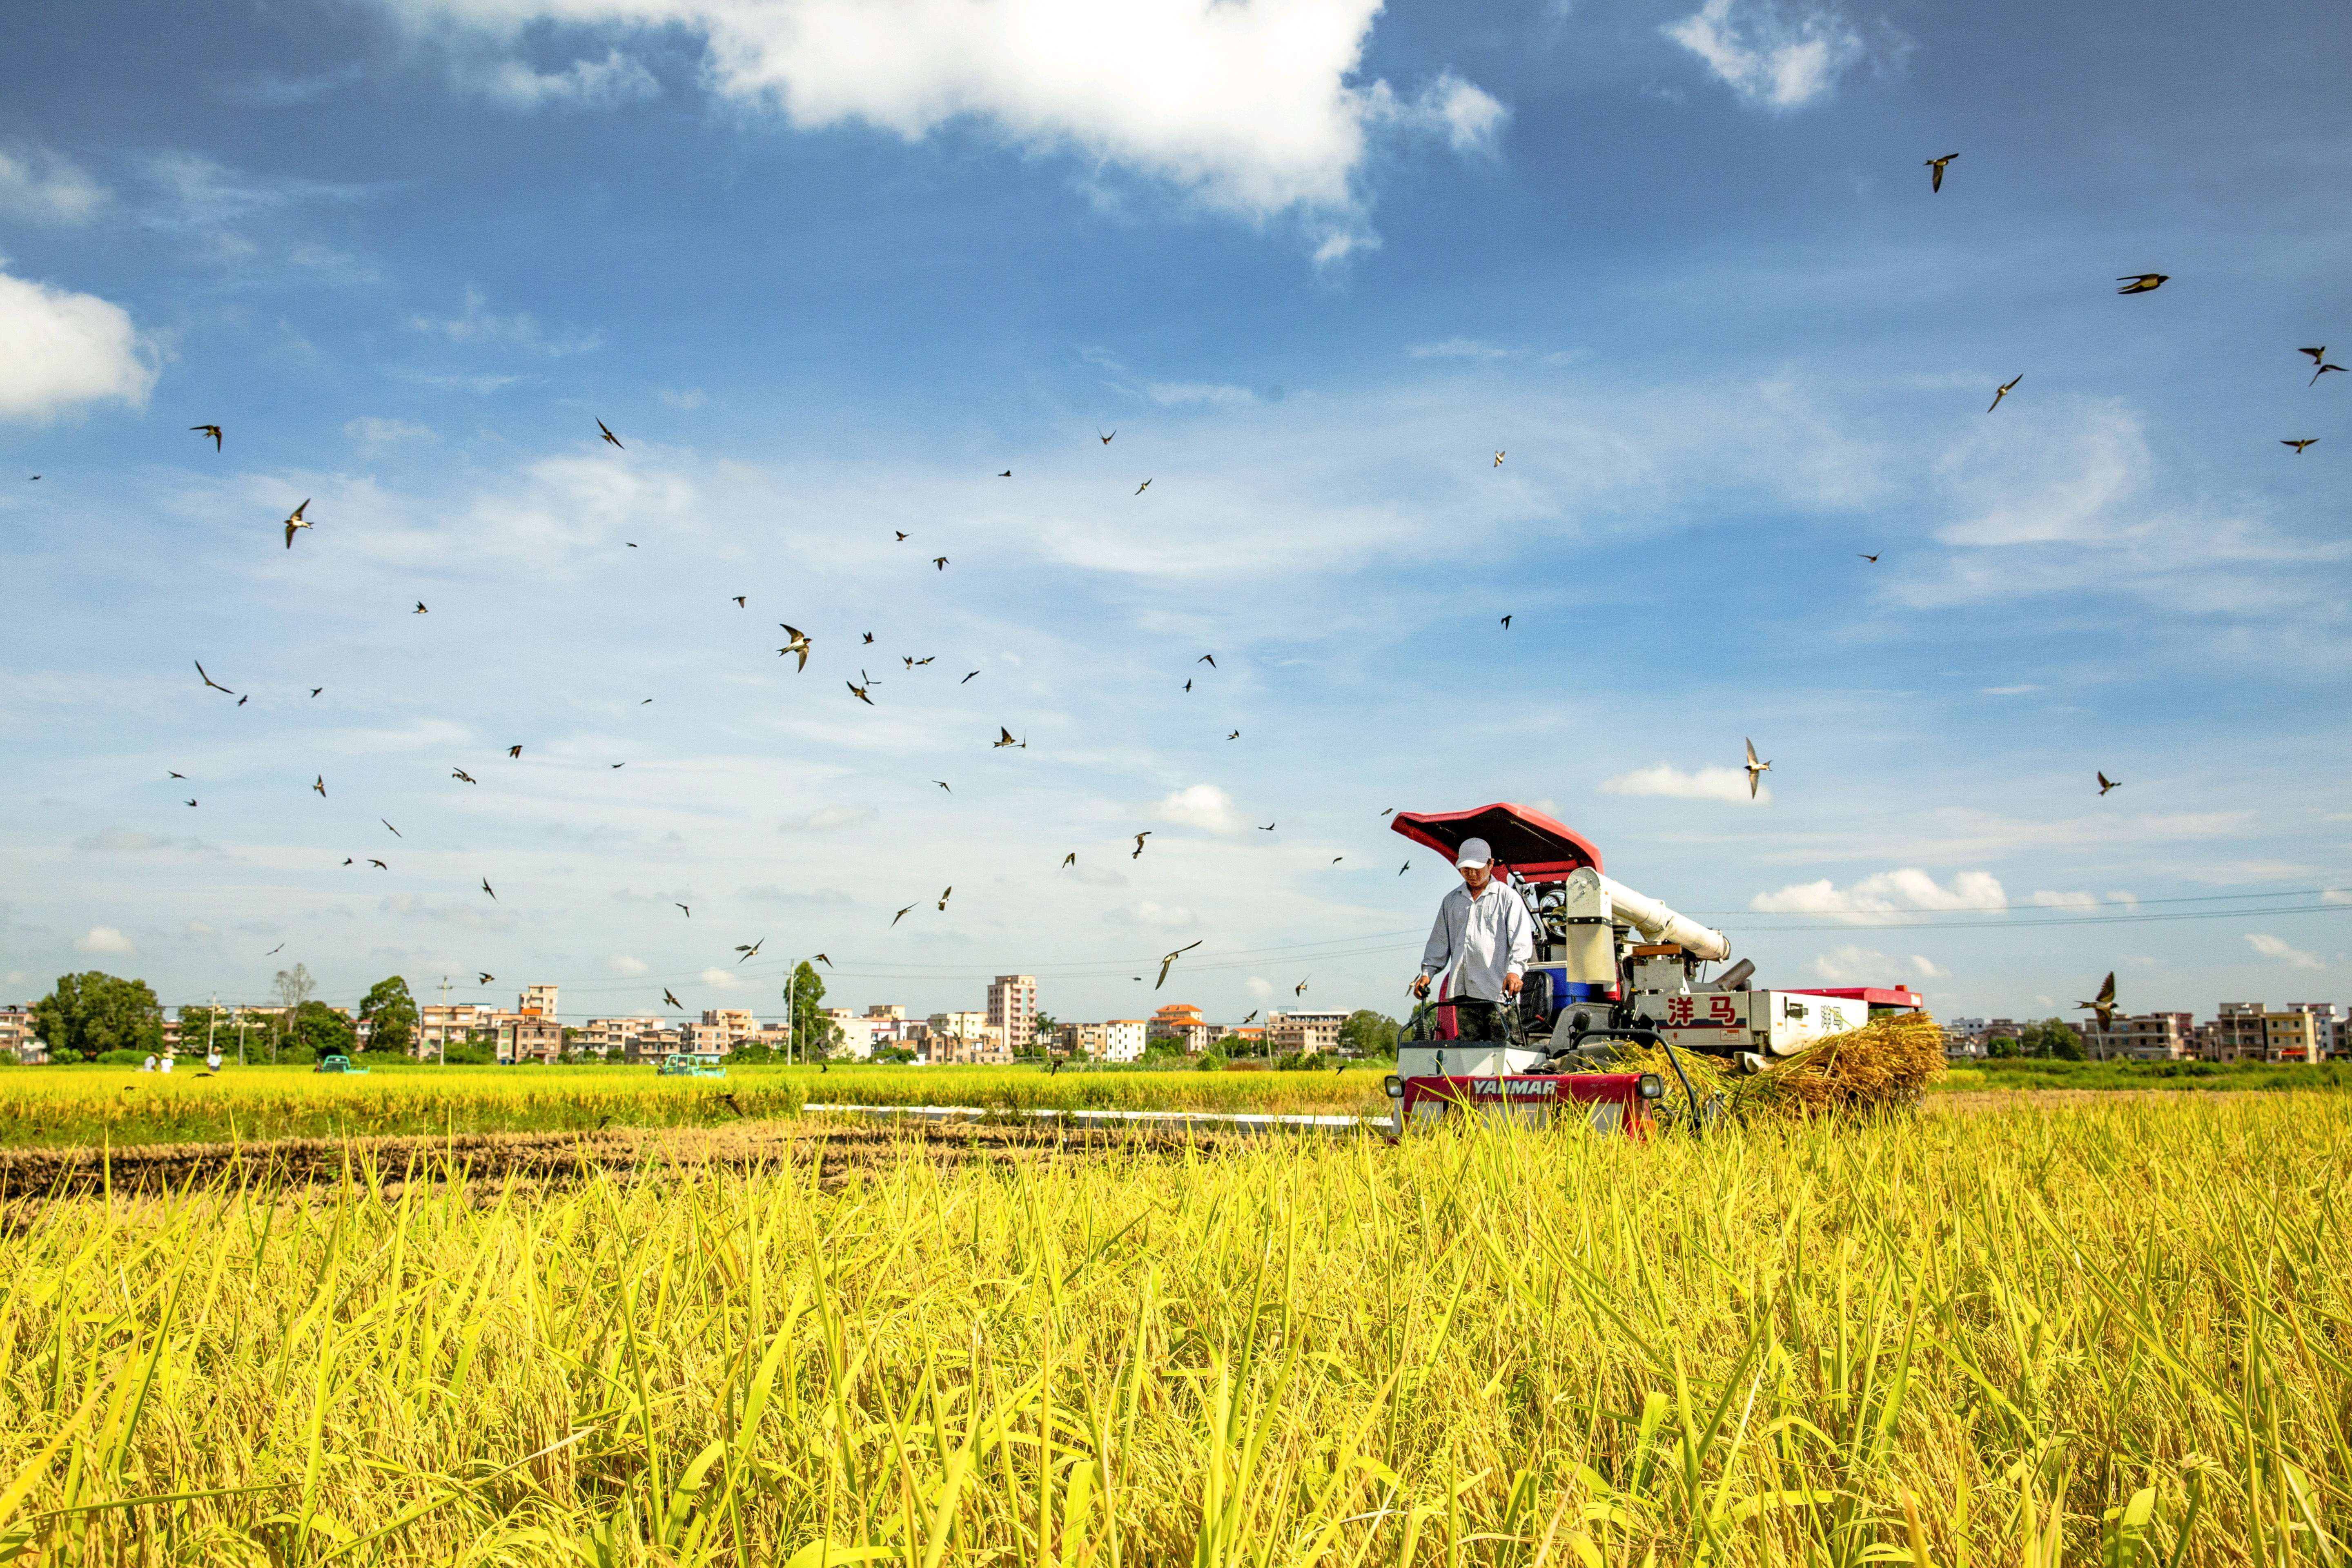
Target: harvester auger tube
x,y
1654,921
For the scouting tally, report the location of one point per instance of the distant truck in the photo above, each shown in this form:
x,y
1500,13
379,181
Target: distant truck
x,y
339,1064
687,1063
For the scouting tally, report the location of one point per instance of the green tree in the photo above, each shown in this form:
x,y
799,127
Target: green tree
x,y
197,1023
93,1012
316,1030
1368,1033
391,1013
1046,1032
815,1035
2052,1038
2000,1047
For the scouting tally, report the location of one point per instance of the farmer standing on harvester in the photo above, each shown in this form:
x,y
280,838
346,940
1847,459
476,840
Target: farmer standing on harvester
x,y
1484,935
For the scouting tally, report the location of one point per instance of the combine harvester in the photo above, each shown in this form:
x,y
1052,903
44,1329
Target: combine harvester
x,y
1612,969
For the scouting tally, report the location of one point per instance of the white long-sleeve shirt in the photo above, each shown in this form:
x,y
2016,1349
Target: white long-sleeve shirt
x,y
1484,938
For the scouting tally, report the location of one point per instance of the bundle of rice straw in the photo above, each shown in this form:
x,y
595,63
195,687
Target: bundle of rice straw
x,y
1883,1065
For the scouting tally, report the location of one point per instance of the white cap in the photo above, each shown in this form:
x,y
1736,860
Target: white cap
x,y
1474,852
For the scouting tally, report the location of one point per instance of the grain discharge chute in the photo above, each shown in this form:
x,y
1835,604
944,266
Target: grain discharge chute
x,y
1613,968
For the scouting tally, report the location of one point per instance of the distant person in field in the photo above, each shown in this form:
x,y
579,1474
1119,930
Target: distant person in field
x,y
149,1064
1485,936
213,1059
167,1061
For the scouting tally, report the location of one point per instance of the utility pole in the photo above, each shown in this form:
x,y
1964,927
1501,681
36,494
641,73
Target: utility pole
x,y
444,1041
212,1022
240,1036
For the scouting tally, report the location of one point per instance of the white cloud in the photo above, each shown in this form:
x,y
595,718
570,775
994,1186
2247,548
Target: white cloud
x,y
49,187
58,350
103,938
1173,393
828,819
122,841
1705,783
719,979
587,84
1928,968
2008,691
374,435
476,324
688,397
1200,805
2066,900
1158,917
1460,348
2269,947
622,963
1771,55
1247,107
1886,894
2336,896
1261,989
1852,965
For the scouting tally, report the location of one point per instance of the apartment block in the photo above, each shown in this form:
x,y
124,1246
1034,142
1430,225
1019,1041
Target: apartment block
x,y
527,1037
437,1023
652,1045
1303,1034
2143,1037
17,1036
1182,1022
735,1026
1012,1008
609,1038
2235,1034
538,999
2291,1036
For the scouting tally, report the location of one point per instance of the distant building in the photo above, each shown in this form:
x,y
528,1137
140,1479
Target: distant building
x,y
735,1027
2235,1034
1182,1022
17,1036
2143,1037
856,1033
964,1038
1303,1034
540,999
437,1023
527,1037
1012,1008
652,1045
2291,1036
609,1038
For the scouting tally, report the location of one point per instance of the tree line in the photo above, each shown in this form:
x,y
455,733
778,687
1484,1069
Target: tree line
x,y
92,1015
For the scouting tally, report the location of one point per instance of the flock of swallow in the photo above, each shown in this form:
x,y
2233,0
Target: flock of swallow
x,y
798,644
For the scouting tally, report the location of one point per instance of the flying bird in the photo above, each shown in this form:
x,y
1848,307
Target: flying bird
x,y
488,888
869,637
1208,658
2004,390
243,700
608,434
275,951
211,430
1404,868
315,689
176,775
940,562
1188,683
2318,355
1235,736
1139,843
2299,445
347,859
1267,828
902,913
378,864
926,658
1337,858
967,678
2322,370
1138,491
817,958
902,537
1003,739
1069,860
1252,1014
396,832
799,644
1169,961
2107,784
1756,770
738,601
192,802
294,519
1300,989
751,952
514,751
2104,1006
943,784
483,977
1936,176
1388,810
460,774
943,896
1005,475
2143,283
859,692
1507,622
420,609
689,913
1872,559
1104,439
207,679
670,1001
320,783
620,764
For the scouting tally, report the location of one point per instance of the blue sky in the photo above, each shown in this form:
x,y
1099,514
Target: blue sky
x,y
827,269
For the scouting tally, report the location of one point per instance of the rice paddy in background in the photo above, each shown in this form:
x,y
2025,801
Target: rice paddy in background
x,y
2116,1334
64,1107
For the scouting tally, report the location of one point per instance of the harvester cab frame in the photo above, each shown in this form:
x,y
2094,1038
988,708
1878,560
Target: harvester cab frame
x,y
1613,967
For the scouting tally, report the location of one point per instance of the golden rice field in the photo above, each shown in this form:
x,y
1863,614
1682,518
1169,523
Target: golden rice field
x,y
65,1107
2119,1335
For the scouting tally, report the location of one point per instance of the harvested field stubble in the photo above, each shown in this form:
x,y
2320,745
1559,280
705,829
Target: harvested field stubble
x,y
2117,1331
